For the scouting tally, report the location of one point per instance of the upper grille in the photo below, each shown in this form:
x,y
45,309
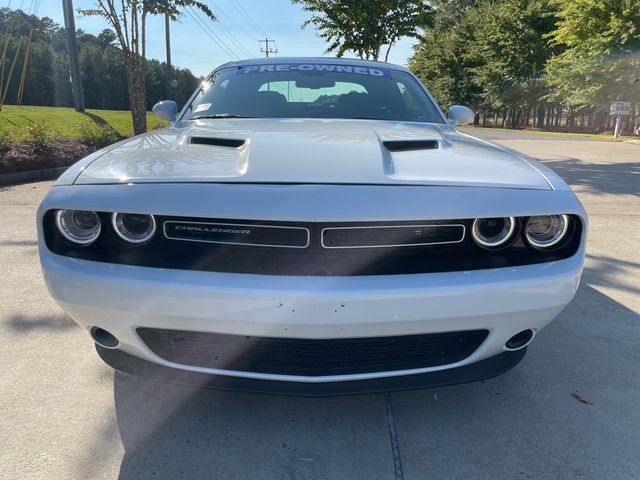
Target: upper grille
x,y
310,357
238,234
391,236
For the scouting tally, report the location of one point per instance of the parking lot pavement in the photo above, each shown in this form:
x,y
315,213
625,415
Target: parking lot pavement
x,y
65,415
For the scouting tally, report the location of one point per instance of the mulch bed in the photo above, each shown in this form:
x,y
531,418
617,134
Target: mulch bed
x,y
27,155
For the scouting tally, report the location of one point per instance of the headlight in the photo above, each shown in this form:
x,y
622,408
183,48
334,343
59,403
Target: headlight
x,y
134,227
545,231
78,226
493,232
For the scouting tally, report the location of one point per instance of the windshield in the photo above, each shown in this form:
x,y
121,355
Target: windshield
x,y
313,91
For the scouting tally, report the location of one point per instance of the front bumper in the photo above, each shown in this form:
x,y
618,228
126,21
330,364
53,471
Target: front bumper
x,y
121,298
132,365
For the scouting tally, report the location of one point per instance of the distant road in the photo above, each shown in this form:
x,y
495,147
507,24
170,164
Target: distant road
x,y
508,134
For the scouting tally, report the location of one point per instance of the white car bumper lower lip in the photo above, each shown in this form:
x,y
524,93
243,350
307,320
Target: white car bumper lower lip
x,y
122,298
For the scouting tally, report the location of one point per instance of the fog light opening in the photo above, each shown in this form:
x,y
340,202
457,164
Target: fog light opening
x,y
519,340
104,338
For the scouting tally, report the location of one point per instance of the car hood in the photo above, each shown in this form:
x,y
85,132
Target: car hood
x,y
367,152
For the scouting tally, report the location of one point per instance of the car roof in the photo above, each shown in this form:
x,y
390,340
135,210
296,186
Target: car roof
x,y
315,60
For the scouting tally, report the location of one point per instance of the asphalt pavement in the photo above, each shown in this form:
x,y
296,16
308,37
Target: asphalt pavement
x,y
571,409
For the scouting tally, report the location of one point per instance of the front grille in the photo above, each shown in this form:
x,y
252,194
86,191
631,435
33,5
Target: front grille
x,y
238,234
311,357
306,248
391,236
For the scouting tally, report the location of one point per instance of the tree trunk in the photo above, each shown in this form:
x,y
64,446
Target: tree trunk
x,y
386,55
571,118
540,123
137,92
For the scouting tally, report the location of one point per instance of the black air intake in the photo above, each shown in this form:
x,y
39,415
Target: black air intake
x,y
217,142
311,357
410,145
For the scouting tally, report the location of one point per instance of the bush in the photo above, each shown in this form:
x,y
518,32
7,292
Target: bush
x,y
6,139
42,136
157,125
98,135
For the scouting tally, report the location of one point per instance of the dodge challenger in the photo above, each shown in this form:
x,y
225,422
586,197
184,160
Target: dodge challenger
x,y
311,226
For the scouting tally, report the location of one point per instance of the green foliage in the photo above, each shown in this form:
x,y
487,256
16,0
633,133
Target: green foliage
x,y
499,55
14,121
97,136
6,138
443,62
600,62
101,64
363,26
174,7
156,124
487,54
42,135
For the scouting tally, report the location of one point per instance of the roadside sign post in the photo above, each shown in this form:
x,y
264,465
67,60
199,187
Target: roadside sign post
x,y
619,110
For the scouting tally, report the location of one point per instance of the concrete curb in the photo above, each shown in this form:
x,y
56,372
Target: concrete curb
x,y
31,176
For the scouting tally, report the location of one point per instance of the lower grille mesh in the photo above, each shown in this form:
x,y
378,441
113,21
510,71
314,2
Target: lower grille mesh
x,y
310,357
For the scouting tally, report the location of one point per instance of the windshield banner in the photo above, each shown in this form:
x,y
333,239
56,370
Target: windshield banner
x,y
314,67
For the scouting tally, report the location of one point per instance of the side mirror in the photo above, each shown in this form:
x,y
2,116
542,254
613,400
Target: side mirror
x,y
166,110
461,115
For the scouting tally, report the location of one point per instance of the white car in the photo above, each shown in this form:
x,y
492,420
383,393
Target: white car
x,y
311,226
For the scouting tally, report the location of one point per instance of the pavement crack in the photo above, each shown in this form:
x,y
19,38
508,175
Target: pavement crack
x,y
393,435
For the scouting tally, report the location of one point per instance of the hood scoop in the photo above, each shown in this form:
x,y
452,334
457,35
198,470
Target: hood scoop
x,y
410,145
217,142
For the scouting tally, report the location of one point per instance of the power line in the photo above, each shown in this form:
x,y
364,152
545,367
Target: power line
x,y
244,13
239,26
211,34
233,40
221,42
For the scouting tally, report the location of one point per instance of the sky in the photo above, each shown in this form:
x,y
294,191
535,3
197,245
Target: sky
x,y
242,23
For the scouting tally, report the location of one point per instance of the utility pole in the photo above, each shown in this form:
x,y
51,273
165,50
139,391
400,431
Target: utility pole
x,y
167,33
267,50
74,61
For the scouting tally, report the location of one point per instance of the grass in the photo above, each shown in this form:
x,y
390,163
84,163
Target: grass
x,y
66,122
595,136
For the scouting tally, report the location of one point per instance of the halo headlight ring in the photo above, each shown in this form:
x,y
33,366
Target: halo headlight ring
x,y
502,239
556,240
119,220
69,226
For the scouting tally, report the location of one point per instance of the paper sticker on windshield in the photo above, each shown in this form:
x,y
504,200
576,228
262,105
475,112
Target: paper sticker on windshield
x,y
202,107
314,67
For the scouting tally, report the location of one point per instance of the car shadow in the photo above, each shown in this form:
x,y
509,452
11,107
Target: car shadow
x,y
179,432
591,348
599,178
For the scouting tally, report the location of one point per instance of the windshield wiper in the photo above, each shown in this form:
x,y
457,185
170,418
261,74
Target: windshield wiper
x,y
220,115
